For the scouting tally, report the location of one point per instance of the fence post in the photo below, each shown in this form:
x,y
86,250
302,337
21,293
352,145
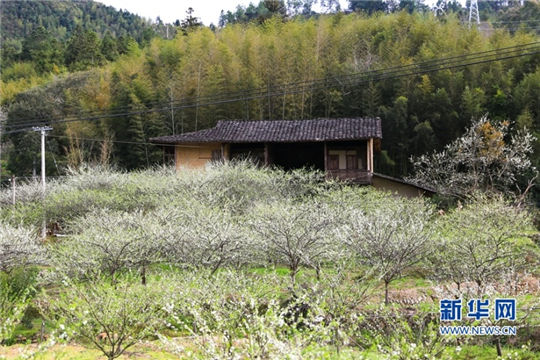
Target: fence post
x,y
42,330
13,189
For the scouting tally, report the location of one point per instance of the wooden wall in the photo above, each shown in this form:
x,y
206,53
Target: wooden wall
x,y
195,156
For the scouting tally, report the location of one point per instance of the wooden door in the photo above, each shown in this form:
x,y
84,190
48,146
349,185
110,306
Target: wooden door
x,y
352,162
333,162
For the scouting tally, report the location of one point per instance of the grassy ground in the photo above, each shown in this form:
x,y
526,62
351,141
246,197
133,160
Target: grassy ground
x,y
153,351
74,351
412,285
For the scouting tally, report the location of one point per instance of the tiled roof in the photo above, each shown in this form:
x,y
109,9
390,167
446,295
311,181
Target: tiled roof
x,y
281,131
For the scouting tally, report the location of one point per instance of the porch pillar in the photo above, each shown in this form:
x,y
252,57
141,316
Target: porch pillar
x,y
325,157
266,155
176,157
225,152
370,155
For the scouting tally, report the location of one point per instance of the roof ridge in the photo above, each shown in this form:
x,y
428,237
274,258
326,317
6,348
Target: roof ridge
x,y
306,130
300,120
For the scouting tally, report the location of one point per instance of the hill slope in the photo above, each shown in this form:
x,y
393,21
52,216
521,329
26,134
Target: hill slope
x,y
420,113
60,18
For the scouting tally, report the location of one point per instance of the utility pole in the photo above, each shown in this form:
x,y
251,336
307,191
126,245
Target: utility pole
x,y
2,120
0,152
13,189
42,130
474,14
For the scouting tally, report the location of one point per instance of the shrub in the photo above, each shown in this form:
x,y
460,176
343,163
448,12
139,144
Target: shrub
x,y
479,242
391,236
111,242
402,336
18,247
112,318
13,303
295,233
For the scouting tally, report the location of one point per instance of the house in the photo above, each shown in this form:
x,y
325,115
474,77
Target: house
x,y
343,147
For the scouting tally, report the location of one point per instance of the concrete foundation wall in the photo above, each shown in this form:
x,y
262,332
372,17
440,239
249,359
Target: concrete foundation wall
x,y
397,187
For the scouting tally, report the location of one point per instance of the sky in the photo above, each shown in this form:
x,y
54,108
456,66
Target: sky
x,y
170,10
207,10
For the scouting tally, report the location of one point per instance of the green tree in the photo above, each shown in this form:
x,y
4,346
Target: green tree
x,y
132,126
412,5
371,100
83,50
41,49
424,138
395,121
368,6
40,105
473,103
11,50
109,47
190,23
124,44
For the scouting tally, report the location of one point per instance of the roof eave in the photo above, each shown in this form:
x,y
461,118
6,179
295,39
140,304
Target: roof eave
x,y
229,141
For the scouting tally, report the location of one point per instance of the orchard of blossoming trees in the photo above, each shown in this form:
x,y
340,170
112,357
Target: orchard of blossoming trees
x,y
245,262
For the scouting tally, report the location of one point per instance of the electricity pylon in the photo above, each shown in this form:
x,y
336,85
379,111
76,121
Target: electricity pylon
x,y
438,8
474,14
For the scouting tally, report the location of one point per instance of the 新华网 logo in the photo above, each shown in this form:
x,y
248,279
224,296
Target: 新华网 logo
x,y
477,309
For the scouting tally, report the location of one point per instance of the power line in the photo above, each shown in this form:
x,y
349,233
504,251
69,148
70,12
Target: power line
x,y
265,88
536,28
310,87
513,21
283,88
347,80
112,141
195,101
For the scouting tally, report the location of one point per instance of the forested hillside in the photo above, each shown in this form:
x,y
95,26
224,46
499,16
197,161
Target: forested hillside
x,y
61,18
42,39
239,71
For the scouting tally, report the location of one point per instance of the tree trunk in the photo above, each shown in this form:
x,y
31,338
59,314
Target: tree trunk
x,y
294,270
113,279
498,346
479,283
336,339
386,301
143,275
215,268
